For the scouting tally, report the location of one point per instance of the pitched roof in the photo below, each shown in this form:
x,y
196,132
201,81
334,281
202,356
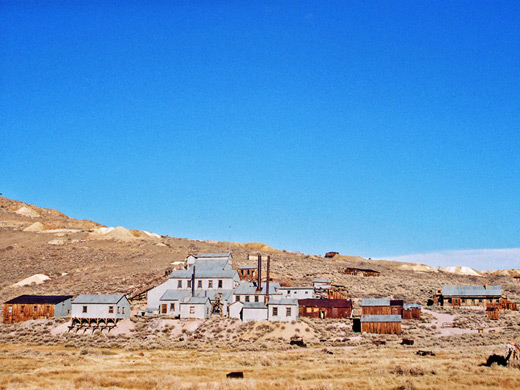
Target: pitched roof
x,y
296,288
319,280
196,301
375,302
325,302
467,291
248,267
408,306
175,295
98,298
39,299
249,288
213,255
204,273
254,305
284,302
381,318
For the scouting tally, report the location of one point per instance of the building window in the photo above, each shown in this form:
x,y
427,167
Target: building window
x,y
21,309
288,312
210,283
111,309
199,284
172,306
118,310
122,310
247,298
256,298
306,292
275,311
220,284
179,284
84,309
192,309
10,309
35,308
189,283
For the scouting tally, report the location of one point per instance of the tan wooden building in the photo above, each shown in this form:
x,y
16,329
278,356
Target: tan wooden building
x,y
381,306
35,307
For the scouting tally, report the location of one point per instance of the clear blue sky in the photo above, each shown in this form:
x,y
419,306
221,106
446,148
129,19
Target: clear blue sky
x,y
375,128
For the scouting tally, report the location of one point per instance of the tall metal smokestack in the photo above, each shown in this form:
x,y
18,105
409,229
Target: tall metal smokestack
x,y
193,282
267,280
259,272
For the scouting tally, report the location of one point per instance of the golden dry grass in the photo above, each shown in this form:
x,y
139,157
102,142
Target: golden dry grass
x,y
35,367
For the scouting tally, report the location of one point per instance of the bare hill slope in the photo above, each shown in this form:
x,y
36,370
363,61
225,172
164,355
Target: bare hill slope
x,y
81,256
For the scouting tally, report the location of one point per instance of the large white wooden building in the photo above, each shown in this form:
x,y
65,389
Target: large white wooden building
x,y
100,306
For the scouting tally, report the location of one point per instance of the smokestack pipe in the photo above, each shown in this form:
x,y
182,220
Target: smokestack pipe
x,y
267,280
193,283
259,286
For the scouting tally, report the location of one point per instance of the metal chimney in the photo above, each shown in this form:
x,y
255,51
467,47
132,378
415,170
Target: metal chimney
x,y
267,280
193,282
259,285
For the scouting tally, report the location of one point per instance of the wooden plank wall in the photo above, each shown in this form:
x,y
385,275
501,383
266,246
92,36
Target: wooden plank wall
x,y
377,310
381,327
27,312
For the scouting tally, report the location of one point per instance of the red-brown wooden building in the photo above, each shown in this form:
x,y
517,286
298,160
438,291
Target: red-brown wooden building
x,y
34,307
325,308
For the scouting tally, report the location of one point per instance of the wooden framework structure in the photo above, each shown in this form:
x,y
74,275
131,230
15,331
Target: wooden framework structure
x,y
93,324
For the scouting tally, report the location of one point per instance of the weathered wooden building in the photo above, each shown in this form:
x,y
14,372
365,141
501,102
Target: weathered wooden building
x,y
365,272
325,308
34,307
381,324
467,295
248,272
381,306
412,310
492,312
517,278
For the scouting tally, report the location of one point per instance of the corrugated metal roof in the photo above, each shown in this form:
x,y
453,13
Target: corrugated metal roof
x,y
318,280
285,302
248,288
411,306
175,295
254,305
213,255
204,273
98,298
381,318
248,267
339,303
195,301
375,302
476,291
39,299
296,288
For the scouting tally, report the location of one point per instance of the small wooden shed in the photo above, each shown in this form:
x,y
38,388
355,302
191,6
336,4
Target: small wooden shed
x,y
412,310
381,324
492,312
34,307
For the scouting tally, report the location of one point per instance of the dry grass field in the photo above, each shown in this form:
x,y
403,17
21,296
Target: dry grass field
x,y
37,367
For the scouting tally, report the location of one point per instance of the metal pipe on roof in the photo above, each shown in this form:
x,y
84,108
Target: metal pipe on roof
x,y
259,286
267,280
193,282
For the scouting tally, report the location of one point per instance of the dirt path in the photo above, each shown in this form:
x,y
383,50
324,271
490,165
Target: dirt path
x,y
449,330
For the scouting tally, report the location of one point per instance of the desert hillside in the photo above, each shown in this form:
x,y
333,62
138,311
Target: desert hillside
x,y
43,251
